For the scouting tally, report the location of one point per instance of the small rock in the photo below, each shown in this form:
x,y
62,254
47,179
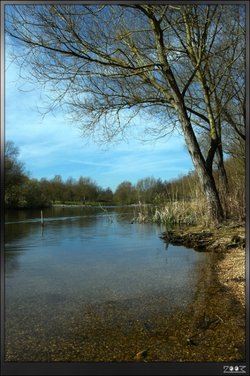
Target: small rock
x,y
172,338
191,342
141,355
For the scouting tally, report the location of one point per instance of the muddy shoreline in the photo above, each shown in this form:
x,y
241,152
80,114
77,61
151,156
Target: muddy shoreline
x,y
213,327
218,239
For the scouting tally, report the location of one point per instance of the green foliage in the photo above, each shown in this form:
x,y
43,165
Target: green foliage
x,y
23,192
180,200
20,191
34,195
14,177
148,189
125,193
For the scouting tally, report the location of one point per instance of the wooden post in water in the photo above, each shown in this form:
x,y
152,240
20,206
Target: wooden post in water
x,y
42,223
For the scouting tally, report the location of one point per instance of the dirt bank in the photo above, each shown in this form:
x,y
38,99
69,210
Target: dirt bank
x,y
213,328
217,239
228,241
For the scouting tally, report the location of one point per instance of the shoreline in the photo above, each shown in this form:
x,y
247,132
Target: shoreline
x,y
92,206
216,330
228,242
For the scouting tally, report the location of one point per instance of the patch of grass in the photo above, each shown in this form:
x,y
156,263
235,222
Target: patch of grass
x,y
173,213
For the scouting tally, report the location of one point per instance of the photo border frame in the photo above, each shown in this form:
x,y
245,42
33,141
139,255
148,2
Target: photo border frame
x,y
122,368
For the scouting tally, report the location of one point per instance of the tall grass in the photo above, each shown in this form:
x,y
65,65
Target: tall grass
x,y
173,212
185,204
234,199
180,213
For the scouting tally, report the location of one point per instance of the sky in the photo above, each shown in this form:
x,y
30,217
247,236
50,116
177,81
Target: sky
x,y
52,146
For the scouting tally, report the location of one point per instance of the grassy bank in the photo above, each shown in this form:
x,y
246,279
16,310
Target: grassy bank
x,y
183,212
173,213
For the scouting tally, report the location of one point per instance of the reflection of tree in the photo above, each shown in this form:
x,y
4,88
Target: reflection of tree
x,y
13,233
21,215
166,245
19,236
61,218
162,252
59,224
125,214
11,262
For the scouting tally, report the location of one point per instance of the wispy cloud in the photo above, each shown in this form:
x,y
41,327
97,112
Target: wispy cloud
x,y
50,145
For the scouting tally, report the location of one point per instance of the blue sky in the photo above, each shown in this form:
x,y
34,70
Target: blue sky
x,y
52,146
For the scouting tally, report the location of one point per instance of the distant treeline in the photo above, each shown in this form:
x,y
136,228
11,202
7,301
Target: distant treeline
x,y
21,191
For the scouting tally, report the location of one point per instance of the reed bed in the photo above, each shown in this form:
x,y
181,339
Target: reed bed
x,y
173,213
186,205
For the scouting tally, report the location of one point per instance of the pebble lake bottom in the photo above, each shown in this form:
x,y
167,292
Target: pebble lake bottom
x,y
94,287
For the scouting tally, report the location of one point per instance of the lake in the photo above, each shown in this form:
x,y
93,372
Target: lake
x,y
90,285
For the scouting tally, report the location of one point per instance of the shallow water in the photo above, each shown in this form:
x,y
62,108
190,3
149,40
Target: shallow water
x,y
87,269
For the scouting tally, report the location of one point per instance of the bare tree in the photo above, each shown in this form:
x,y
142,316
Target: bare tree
x,y
214,58
108,63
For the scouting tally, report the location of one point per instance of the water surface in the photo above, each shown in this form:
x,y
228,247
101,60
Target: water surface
x,y
87,273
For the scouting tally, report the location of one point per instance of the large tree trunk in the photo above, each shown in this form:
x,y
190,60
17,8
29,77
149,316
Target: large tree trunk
x,y
206,178
223,185
221,171
205,174
215,210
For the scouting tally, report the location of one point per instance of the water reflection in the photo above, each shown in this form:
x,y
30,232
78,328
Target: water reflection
x,y
85,258
87,246
11,263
